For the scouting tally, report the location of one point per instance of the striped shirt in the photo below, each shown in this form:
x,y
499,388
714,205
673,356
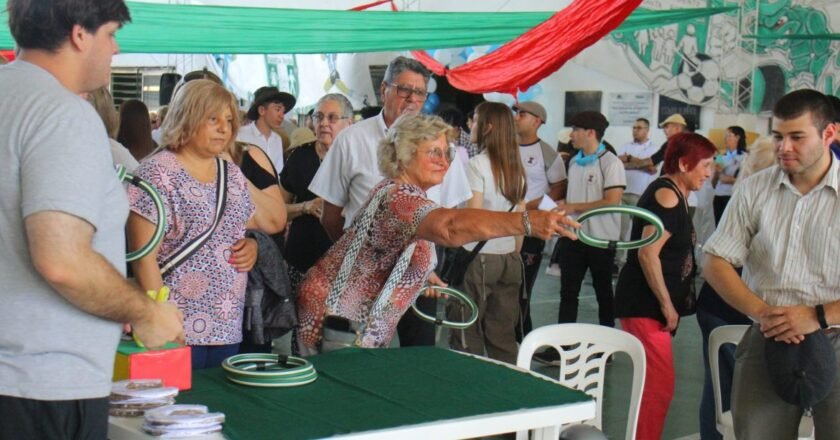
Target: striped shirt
x,y
788,243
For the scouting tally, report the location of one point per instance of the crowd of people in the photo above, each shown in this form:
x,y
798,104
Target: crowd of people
x,y
355,221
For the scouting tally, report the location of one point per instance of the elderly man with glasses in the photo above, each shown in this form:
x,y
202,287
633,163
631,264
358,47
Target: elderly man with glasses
x,y
350,171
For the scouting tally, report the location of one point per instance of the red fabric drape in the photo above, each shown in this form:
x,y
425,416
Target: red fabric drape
x,y
371,5
8,54
534,55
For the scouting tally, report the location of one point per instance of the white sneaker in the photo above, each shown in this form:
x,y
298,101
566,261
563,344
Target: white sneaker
x,y
553,270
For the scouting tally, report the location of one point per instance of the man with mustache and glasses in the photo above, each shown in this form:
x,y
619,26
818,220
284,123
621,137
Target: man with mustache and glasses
x,y
350,171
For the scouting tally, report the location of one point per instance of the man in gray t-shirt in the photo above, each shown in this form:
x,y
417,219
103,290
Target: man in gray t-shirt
x,y
62,217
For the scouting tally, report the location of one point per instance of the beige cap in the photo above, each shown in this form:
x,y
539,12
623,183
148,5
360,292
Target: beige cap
x,y
676,118
564,135
532,108
301,136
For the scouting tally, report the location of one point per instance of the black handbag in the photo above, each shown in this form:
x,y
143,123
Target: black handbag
x,y
454,270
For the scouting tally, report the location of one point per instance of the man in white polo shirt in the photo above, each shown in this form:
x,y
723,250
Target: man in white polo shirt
x,y
638,178
596,179
268,112
545,172
350,171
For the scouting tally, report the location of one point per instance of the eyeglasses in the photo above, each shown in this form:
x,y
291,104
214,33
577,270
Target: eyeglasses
x,y
406,91
438,154
639,128
332,118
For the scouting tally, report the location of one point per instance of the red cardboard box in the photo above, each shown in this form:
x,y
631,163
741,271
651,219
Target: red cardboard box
x,y
172,363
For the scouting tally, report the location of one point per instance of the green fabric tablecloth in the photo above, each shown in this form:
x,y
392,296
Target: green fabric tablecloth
x,y
368,389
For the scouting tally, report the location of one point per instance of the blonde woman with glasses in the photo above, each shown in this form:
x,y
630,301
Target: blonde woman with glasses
x,y
414,156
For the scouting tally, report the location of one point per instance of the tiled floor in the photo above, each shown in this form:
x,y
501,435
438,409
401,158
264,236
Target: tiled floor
x,y
682,416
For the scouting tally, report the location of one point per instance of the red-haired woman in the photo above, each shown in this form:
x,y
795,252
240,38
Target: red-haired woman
x,y
655,287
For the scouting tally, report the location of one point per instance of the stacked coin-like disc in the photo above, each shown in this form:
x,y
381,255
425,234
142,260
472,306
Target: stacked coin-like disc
x,y
177,421
131,398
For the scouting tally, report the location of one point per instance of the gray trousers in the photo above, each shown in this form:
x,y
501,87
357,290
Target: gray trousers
x,y
758,413
494,282
626,224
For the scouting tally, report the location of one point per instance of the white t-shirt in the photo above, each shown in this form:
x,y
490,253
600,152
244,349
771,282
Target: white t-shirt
x,y
588,183
273,146
731,165
350,170
638,180
121,156
537,177
480,175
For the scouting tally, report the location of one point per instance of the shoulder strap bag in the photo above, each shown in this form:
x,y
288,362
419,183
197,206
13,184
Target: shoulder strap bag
x,y
188,249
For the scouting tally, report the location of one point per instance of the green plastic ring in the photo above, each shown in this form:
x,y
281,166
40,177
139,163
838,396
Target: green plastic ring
x,y
269,370
461,296
634,211
160,227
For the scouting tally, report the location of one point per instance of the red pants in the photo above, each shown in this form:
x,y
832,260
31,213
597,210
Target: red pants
x,y
659,376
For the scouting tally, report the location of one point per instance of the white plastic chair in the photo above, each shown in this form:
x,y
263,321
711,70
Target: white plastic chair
x,y
584,350
732,334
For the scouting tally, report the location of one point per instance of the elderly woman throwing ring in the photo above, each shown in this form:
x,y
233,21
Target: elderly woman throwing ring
x,y
392,238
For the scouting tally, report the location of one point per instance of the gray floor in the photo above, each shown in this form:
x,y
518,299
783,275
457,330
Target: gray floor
x,y
688,360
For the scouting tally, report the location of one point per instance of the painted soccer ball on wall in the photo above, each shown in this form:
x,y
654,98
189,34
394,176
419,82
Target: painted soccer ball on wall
x,y
698,79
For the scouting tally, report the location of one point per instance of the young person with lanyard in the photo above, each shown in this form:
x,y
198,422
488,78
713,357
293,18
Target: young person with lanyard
x,y
545,173
596,179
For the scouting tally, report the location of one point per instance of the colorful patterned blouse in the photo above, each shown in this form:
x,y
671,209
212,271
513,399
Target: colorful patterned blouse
x,y
206,288
394,228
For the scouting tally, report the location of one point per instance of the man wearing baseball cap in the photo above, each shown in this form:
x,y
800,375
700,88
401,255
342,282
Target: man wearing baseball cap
x,y
545,172
596,179
267,111
672,125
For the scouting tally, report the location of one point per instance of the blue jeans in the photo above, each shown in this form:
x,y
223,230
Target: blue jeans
x,y
211,356
726,364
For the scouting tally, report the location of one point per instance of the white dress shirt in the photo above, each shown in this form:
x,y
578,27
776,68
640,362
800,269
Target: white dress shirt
x,y
273,145
350,170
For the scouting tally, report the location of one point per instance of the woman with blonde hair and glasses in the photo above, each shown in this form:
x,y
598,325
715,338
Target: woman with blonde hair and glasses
x,y
204,256
414,156
494,277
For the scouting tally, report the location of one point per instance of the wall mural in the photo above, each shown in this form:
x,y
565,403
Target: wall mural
x,y
709,61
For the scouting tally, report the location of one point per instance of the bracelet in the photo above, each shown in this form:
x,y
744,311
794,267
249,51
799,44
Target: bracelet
x,y
526,222
821,316
303,208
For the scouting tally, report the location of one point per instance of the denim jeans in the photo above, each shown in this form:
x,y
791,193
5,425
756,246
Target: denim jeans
x,y
726,364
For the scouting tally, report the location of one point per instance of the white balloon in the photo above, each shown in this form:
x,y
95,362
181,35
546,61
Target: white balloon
x,y
481,49
473,56
455,61
443,56
432,86
504,98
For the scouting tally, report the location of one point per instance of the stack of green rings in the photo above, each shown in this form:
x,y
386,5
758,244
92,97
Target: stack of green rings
x,y
634,211
269,370
461,296
160,227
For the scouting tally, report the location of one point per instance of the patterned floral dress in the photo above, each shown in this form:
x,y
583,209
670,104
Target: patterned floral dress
x,y
394,228
207,289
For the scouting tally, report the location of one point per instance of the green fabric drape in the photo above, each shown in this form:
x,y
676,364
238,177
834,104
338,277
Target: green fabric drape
x,y
830,37
169,28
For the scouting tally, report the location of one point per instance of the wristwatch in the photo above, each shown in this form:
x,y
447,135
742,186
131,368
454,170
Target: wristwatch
x,y
821,316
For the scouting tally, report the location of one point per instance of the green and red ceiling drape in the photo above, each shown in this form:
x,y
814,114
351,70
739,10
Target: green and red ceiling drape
x,y
534,55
